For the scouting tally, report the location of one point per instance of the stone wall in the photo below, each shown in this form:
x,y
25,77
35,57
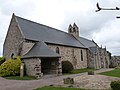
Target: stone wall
x,y
91,58
33,66
13,40
42,66
72,54
105,59
115,61
26,46
98,59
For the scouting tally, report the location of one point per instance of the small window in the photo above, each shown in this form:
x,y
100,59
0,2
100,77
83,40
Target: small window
x,y
81,55
74,29
12,55
57,50
70,30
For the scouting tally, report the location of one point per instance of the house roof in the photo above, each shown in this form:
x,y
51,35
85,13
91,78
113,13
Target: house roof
x,y
38,32
40,49
91,45
88,43
93,49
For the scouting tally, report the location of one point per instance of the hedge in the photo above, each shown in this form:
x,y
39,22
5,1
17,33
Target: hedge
x,y
10,67
115,85
2,60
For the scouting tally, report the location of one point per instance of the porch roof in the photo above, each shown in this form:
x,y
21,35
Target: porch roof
x,y
40,49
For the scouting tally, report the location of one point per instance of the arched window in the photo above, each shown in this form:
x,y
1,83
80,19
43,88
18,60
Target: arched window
x,y
81,55
57,50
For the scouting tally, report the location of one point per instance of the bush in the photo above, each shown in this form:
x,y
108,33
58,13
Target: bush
x,y
115,85
91,73
112,66
67,67
2,60
10,67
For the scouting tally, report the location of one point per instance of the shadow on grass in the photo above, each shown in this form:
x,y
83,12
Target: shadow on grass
x,y
77,71
20,78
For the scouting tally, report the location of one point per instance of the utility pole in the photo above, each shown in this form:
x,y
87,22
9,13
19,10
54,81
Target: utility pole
x,y
99,9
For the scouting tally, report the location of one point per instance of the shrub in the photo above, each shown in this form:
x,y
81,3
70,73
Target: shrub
x,y
2,60
10,67
67,67
115,85
112,66
91,72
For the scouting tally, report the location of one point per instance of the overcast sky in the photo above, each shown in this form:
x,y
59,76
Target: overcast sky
x,y
102,27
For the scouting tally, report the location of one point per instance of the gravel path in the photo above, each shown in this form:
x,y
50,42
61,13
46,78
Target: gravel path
x,y
94,81
83,80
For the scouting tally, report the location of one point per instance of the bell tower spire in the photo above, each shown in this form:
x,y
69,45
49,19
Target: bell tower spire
x,y
74,30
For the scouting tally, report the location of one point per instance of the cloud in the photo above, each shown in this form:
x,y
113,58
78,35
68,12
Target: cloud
x,y
102,26
109,32
18,6
108,35
87,19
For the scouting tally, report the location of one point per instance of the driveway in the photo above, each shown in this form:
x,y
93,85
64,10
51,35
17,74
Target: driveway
x,y
32,84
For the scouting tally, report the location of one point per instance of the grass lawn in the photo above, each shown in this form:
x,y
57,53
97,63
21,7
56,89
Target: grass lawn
x,y
76,71
20,78
57,88
114,73
81,70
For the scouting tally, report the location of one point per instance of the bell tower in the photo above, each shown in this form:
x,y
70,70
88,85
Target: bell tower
x,y
74,30
70,29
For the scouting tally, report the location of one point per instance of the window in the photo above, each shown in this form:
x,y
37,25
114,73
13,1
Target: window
x,y
70,30
74,29
12,55
57,50
81,55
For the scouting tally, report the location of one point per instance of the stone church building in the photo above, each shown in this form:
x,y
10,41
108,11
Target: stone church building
x,y
43,48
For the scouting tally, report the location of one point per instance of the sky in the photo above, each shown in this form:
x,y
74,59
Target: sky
x,y
102,27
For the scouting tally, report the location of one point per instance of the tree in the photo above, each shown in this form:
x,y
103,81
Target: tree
x,y
99,9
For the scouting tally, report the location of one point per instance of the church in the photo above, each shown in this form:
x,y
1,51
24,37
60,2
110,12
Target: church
x,y
43,48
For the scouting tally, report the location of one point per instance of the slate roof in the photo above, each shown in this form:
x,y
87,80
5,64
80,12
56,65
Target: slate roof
x,y
40,49
91,45
88,43
38,32
93,49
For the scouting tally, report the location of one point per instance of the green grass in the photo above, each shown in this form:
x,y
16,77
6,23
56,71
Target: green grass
x,y
81,70
114,73
76,71
20,78
57,88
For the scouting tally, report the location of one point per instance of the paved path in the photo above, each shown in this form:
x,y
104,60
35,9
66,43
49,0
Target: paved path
x,y
32,84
